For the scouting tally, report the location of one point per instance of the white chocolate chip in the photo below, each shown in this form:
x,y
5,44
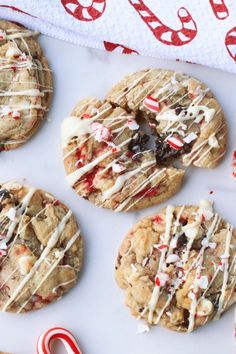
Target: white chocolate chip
x,y
25,264
204,308
213,142
12,52
172,258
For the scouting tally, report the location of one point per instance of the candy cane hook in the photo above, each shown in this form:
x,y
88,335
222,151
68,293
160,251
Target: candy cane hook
x,y
162,32
45,339
219,8
230,42
87,13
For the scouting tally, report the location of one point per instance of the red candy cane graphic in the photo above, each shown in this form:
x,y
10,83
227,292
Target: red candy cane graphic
x,y
90,12
163,33
114,47
220,9
46,338
230,42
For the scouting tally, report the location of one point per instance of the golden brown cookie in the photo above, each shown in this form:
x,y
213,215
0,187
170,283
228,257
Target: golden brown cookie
x,y
25,85
40,248
120,153
178,267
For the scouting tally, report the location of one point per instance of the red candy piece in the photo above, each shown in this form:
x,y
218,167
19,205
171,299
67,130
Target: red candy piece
x,y
86,116
175,142
151,104
158,219
88,180
157,281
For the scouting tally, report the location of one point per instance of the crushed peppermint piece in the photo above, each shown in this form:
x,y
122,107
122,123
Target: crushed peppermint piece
x,y
172,258
202,282
190,137
158,219
162,279
132,124
152,104
101,132
6,110
206,209
15,114
86,116
117,167
3,253
175,142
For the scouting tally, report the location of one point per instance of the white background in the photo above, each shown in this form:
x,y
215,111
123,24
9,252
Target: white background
x,y
94,309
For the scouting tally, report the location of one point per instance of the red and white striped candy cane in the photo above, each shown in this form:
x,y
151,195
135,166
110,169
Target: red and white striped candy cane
x,y
115,47
45,339
162,32
219,8
230,42
91,12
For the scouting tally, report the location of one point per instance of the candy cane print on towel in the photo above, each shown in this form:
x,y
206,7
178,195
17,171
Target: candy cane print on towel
x,y
164,33
57,333
85,10
219,8
106,157
25,85
114,47
230,42
41,248
178,267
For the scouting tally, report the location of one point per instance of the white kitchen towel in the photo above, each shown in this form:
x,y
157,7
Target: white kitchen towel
x,y
198,31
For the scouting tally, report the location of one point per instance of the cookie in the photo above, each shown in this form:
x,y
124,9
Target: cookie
x,y
120,153
182,112
177,267
107,161
40,248
25,85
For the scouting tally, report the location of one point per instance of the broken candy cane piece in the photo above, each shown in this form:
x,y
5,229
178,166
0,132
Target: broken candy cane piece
x,y
101,132
45,339
151,104
190,137
175,142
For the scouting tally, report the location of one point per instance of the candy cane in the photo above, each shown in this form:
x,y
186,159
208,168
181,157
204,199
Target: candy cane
x,y
230,42
220,9
45,339
163,33
111,47
91,12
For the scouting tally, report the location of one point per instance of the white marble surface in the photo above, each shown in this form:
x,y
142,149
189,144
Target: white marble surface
x,y
94,309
